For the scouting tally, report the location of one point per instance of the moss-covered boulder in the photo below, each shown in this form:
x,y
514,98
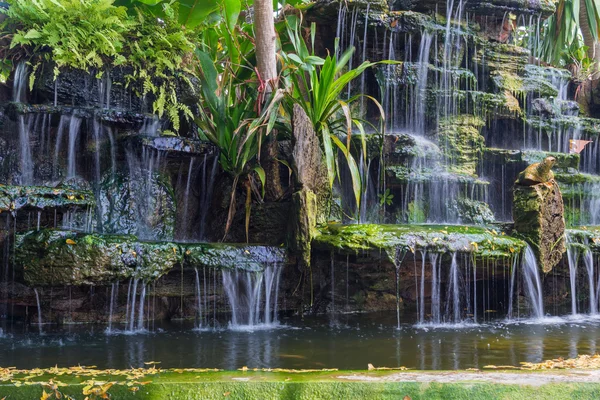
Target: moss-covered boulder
x,y
65,258
538,212
499,8
462,143
481,242
472,211
53,257
14,198
232,256
145,207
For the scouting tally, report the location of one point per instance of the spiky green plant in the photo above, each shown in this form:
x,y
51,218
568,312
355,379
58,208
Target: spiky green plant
x,y
317,84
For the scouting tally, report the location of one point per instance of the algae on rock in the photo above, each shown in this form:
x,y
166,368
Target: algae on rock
x,y
462,143
538,212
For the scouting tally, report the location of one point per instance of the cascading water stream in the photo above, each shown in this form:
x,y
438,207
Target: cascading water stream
x,y
453,292
20,83
39,310
533,284
199,304
26,159
74,126
579,250
244,290
114,293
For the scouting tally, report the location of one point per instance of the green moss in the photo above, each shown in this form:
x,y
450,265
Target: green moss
x,y
14,198
589,234
231,256
548,126
352,239
462,143
52,257
564,161
574,179
192,384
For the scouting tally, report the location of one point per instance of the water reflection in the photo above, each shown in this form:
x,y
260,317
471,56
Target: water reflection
x,y
353,343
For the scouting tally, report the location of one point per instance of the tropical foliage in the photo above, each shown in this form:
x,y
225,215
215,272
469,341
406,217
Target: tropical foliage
x,y
97,35
317,84
568,36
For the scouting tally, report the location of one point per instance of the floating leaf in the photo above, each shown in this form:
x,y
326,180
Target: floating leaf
x,y
71,242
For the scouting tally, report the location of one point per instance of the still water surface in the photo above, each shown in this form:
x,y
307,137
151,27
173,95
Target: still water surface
x,y
349,342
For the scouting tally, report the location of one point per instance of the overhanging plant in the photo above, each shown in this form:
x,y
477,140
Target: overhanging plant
x,y
316,84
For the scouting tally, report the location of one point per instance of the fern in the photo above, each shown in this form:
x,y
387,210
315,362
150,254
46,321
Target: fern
x,y
97,35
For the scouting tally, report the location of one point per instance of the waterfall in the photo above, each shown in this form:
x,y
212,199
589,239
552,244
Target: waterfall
x,y
573,260
20,83
186,200
199,310
74,126
143,180
419,99
26,159
140,324
588,261
435,260
59,133
453,291
114,293
533,284
244,292
39,310
150,126
131,321
208,183
577,250
422,291
513,274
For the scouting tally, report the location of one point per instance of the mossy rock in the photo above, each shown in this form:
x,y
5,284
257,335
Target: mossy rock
x,y
472,211
142,207
64,258
499,8
462,143
232,256
15,198
538,212
389,239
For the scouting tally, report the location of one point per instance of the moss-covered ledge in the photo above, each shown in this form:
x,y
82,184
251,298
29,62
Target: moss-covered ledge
x,y
15,198
586,234
54,257
232,256
481,242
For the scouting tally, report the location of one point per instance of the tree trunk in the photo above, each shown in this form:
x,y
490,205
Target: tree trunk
x,y
266,60
588,38
266,50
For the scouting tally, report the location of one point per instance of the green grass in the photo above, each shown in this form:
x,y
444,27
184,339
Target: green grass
x,y
201,384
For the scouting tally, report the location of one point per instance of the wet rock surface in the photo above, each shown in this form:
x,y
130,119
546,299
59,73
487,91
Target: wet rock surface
x,y
539,216
56,258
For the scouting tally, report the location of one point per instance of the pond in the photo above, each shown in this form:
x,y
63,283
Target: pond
x,y
347,342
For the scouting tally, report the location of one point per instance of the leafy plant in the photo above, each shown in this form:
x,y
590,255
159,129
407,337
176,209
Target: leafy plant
x,y
562,30
229,115
81,34
316,84
159,53
97,35
386,198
